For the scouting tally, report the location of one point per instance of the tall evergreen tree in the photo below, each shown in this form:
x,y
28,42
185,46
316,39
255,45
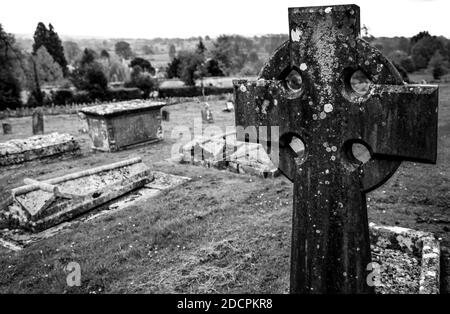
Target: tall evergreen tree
x,y
40,37
56,48
51,41
201,47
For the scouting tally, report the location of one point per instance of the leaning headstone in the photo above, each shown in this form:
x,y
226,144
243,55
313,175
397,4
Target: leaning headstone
x,y
38,121
330,250
207,114
7,128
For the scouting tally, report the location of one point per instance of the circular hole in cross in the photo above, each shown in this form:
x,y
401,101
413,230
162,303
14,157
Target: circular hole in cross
x,y
360,83
361,153
294,81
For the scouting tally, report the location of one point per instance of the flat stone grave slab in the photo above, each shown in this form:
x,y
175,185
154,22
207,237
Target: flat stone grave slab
x,y
16,239
225,152
17,151
40,205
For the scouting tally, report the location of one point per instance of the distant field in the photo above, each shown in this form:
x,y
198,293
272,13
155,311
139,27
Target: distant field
x,y
158,60
222,232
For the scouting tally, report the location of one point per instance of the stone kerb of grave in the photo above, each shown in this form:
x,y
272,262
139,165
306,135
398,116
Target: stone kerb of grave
x,y
225,152
17,151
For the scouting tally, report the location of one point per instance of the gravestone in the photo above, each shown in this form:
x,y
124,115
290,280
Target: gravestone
x,y
38,121
305,90
229,106
207,114
7,129
165,115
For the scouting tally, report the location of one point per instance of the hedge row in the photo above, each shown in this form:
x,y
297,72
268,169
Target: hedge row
x,y
67,96
192,91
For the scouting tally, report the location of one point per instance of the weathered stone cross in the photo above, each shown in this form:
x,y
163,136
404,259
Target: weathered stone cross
x,y
330,238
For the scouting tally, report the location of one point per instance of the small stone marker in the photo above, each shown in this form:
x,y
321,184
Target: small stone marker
x,y
7,129
38,121
305,89
207,114
229,106
165,115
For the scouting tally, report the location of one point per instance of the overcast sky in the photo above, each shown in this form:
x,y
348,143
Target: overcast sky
x,y
186,18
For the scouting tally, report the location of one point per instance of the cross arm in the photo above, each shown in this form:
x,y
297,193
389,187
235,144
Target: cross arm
x,y
400,122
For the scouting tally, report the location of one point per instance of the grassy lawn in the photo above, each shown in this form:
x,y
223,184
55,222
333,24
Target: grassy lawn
x,y
209,235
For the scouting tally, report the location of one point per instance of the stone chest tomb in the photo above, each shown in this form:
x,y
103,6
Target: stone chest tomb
x,y
117,126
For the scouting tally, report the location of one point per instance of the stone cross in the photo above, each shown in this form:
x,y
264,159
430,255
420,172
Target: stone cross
x,y
305,89
38,121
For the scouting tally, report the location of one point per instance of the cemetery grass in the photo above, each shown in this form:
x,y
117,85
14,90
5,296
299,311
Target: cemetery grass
x,y
219,233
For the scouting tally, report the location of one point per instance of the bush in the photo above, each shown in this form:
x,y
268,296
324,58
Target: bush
x,y
143,81
62,97
408,64
66,96
124,93
193,91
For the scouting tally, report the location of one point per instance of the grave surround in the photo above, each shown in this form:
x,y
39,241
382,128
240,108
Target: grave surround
x,y
17,151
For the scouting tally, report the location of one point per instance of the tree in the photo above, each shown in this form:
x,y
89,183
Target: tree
x,y
88,57
104,54
143,64
213,68
118,71
438,65
142,80
9,85
123,49
71,50
189,70
418,37
253,56
231,52
40,36
90,76
172,51
200,47
424,49
173,68
56,50
51,41
408,64
49,71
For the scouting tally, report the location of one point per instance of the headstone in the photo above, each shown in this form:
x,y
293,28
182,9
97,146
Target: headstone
x,y
165,115
207,114
229,106
305,90
38,121
7,128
